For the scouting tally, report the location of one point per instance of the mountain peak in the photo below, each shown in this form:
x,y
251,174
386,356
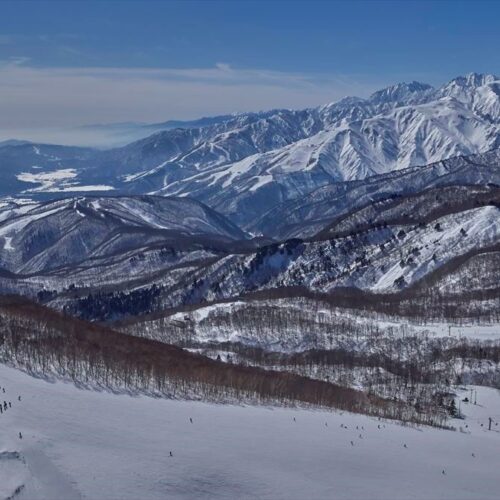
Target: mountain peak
x,y
464,89
400,92
344,102
474,80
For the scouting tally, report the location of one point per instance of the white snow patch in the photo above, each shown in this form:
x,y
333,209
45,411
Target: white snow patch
x,y
47,180
90,187
8,243
58,181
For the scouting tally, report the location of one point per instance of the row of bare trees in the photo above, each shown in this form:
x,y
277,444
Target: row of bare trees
x,y
347,347
44,342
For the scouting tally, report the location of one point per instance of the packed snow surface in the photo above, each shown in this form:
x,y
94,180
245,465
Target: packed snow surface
x,y
83,444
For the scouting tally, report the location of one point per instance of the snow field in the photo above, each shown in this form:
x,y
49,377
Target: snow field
x,y
97,445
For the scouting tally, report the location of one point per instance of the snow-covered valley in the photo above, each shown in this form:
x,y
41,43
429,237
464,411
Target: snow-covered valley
x,y
83,444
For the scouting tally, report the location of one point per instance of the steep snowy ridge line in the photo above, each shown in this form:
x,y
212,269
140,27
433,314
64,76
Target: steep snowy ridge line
x,y
243,165
418,122
307,215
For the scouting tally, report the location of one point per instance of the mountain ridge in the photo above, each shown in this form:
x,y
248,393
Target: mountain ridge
x,y
243,165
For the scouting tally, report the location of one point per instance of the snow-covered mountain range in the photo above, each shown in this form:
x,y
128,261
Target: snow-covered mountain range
x,y
399,127
243,165
376,194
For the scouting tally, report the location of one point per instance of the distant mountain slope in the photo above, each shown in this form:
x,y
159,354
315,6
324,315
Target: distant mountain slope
x,y
388,247
40,237
305,216
24,166
108,258
381,257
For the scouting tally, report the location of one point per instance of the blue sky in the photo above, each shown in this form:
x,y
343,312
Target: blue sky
x,y
87,62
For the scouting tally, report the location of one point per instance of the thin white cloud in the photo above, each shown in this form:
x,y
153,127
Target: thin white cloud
x,y
223,66
37,102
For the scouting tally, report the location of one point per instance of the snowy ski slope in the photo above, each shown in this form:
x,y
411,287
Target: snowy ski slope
x,y
83,444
